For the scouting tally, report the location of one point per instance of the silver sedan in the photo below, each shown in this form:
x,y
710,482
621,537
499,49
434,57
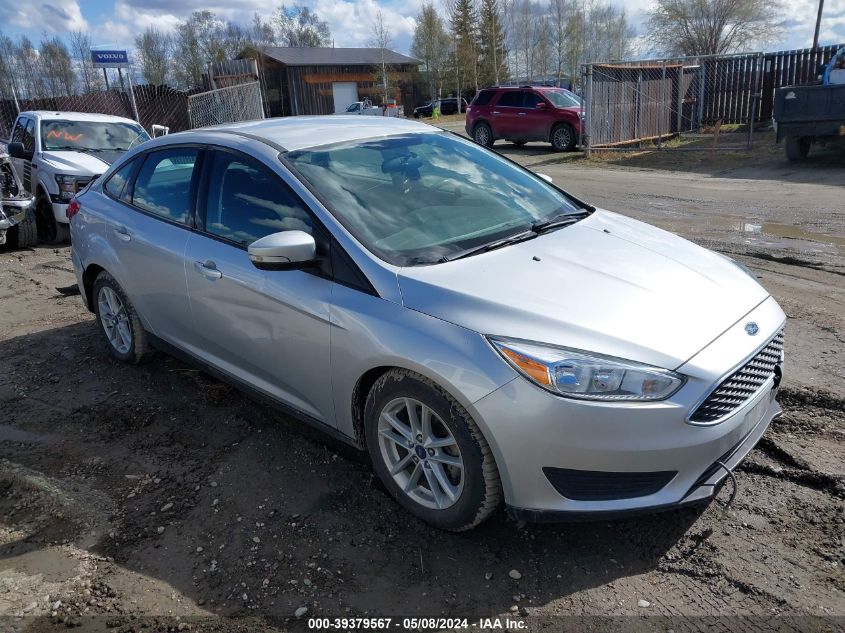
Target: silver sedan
x,y
484,335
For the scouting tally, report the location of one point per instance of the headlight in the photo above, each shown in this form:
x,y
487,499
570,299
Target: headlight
x,y
577,374
67,186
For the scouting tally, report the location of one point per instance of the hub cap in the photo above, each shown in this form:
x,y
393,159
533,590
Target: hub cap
x,y
114,319
421,453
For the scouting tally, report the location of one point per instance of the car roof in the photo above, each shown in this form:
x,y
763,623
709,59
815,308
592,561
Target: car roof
x,y
46,115
302,132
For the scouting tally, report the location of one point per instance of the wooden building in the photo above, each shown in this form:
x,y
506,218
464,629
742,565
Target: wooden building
x,y
326,80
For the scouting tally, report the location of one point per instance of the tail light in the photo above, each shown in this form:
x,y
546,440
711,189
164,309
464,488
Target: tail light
x,y
72,208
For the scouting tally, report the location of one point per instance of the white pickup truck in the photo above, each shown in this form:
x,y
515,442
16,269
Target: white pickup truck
x,y
55,154
366,108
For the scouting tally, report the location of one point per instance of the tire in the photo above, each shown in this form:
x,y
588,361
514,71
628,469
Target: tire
x,y
122,329
25,234
797,148
474,487
49,230
483,135
563,138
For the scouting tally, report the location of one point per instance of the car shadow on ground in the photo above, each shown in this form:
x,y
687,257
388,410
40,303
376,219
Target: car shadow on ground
x,y
186,484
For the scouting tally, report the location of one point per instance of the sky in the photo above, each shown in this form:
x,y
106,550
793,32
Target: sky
x,y
116,22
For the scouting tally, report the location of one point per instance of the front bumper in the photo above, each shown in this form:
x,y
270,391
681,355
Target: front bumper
x,y
13,211
539,439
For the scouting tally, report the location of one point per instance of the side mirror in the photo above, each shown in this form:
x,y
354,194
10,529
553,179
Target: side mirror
x,y
542,105
283,251
16,150
546,177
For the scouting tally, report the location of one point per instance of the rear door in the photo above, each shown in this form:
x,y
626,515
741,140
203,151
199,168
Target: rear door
x,y
508,114
148,228
269,329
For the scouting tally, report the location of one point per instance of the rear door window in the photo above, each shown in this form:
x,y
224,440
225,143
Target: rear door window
x,y
163,186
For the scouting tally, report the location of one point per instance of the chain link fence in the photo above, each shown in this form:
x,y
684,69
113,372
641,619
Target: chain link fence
x,y
689,103
240,102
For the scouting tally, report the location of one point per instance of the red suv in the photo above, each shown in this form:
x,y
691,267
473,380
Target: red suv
x,y
526,113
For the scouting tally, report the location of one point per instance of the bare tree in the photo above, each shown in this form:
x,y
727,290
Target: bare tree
x,y
153,51
382,40
262,32
80,49
562,14
10,81
299,26
431,46
710,27
56,67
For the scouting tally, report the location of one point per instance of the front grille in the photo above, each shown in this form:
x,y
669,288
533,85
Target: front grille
x,y
596,485
740,386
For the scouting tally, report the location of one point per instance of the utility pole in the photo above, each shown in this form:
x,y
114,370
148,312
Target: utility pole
x,y
818,25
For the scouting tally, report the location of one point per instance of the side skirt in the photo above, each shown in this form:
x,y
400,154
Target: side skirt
x,y
252,392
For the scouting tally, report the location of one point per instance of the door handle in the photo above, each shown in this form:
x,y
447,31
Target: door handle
x,y
122,234
521,113
496,112
208,269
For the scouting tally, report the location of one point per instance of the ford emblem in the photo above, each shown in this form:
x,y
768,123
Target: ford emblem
x,y
751,328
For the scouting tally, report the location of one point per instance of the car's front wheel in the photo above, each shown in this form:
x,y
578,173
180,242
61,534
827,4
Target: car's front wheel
x,y
483,135
429,453
50,231
563,138
124,333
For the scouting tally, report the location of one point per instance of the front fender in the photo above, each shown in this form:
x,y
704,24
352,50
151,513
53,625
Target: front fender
x,y
368,333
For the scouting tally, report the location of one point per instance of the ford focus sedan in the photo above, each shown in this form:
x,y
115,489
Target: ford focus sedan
x,y
485,336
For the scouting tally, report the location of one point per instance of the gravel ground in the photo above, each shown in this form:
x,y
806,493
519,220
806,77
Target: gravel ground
x,y
154,497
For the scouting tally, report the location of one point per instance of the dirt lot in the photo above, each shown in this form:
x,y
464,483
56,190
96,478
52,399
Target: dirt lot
x,y
142,498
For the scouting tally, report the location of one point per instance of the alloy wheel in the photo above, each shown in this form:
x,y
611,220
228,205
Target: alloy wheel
x,y
482,135
562,137
115,320
420,453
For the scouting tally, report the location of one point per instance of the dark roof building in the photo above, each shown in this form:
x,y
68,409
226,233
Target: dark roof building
x,y
326,80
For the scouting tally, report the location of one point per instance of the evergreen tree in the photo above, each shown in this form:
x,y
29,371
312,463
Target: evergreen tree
x,y
493,60
464,24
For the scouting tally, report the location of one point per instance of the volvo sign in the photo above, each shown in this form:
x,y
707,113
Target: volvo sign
x,y
110,59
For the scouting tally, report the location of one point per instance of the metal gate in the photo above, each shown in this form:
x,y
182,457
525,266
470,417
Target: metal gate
x,y
226,105
672,102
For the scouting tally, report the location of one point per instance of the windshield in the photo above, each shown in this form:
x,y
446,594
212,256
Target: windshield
x,y
418,198
90,135
562,98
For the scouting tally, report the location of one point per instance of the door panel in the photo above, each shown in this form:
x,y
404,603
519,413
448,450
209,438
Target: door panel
x,y
269,328
507,115
150,237
536,123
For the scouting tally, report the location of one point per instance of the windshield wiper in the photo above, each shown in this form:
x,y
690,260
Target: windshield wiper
x,y
559,220
505,241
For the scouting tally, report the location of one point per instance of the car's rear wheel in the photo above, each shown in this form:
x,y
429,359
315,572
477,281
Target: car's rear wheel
x,y
483,135
125,335
797,148
429,453
563,138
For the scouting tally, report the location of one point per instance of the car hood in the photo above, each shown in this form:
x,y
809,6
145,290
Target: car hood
x,y
608,284
80,163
